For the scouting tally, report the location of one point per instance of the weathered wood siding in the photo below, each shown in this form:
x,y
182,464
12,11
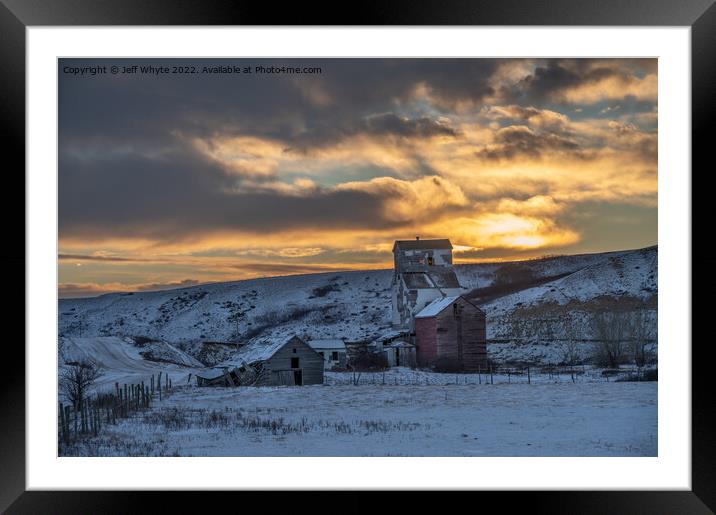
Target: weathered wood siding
x,y
278,369
458,332
426,340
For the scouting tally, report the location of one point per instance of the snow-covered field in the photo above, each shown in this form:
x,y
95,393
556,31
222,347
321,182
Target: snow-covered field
x,y
533,308
556,417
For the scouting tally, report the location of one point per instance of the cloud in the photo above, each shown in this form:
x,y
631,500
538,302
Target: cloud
x,y
86,257
78,290
274,269
187,196
583,81
382,125
522,141
297,170
286,252
541,118
167,286
407,201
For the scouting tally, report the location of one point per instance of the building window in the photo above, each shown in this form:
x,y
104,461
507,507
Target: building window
x,y
294,351
294,363
334,355
322,354
430,261
456,310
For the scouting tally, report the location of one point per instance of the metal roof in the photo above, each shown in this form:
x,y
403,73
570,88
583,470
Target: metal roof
x,y
434,278
258,350
436,306
422,244
327,344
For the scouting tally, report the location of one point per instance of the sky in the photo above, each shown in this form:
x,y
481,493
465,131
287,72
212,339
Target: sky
x,y
176,179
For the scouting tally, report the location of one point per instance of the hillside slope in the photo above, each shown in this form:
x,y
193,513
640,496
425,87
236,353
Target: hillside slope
x,y
527,304
124,361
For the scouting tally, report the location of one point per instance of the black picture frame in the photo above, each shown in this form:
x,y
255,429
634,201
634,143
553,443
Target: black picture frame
x,y
17,15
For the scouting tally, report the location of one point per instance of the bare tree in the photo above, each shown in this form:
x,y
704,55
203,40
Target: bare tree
x,y
77,378
611,330
571,355
640,352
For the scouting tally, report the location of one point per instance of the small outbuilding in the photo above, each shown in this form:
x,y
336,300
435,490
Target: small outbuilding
x,y
268,362
333,352
400,354
452,329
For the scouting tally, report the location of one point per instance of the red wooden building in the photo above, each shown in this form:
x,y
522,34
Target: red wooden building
x,y
452,328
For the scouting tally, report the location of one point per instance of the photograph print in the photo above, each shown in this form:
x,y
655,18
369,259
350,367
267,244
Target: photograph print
x,y
357,257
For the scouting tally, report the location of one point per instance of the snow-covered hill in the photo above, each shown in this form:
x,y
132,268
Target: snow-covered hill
x,y
527,304
125,360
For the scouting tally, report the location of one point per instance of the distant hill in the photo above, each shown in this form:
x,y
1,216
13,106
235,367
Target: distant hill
x,y
531,306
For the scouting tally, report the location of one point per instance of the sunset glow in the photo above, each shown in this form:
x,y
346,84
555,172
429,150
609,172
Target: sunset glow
x,y
179,180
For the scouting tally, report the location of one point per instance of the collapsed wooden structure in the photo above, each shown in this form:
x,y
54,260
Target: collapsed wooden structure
x,y
268,362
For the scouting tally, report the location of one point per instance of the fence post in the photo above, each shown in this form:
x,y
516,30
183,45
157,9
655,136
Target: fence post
x,y
529,380
62,422
491,373
126,400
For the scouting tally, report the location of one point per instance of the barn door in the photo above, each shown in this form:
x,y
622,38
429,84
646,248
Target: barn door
x,y
283,378
298,377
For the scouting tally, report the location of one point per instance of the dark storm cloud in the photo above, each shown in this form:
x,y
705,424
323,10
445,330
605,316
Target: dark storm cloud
x,y
180,195
521,141
126,167
553,76
144,109
388,125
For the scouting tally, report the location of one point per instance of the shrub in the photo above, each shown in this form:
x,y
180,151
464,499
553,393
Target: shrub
x,y
650,375
369,361
141,341
322,291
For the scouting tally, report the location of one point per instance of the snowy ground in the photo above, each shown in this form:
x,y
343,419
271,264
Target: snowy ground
x,y
591,417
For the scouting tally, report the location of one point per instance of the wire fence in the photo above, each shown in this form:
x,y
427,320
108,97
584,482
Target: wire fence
x,y
491,375
86,417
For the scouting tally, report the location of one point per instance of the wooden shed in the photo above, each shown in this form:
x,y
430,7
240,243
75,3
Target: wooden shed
x,y
400,354
268,362
452,328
